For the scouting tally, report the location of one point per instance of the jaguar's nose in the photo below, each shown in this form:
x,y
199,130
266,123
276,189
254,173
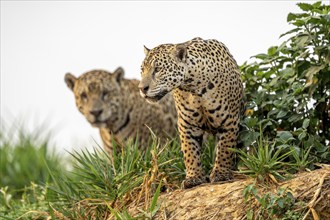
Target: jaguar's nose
x,y
96,113
143,88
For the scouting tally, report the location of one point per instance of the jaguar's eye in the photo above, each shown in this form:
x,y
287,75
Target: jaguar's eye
x,y
83,96
156,70
105,95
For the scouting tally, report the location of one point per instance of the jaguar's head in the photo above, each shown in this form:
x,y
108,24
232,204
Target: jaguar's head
x,y
162,70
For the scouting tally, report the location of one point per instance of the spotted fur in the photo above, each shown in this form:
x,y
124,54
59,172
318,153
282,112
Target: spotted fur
x,y
206,84
113,104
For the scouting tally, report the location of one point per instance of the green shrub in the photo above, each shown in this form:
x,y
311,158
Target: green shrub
x,y
280,205
288,88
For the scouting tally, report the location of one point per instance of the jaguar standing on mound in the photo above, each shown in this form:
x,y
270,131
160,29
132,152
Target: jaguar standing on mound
x,y
208,92
113,104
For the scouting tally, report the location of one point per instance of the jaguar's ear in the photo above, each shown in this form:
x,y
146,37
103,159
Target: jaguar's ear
x,y
181,52
119,74
70,80
146,50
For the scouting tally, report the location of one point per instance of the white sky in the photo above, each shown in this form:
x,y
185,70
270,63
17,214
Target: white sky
x,y
41,41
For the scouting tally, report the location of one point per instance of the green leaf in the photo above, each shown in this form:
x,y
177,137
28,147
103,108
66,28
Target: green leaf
x,y
302,135
269,123
294,16
272,112
274,81
305,6
248,137
311,72
272,51
290,196
291,16
249,214
301,40
281,114
250,122
155,198
315,20
327,17
248,191
287,72
280,203
291,80
318,11
294,118
317,4
299,23
285,136
306,123
261,56
51,210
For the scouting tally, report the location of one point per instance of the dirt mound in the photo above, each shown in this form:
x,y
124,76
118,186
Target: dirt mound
x,y
226,201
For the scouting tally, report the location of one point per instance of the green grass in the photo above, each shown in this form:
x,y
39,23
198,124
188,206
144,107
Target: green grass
x,y
26,164
36,182
265,162
130,178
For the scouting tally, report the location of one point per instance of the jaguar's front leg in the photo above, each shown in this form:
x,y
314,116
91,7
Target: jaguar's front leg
x,y
191,141
107,140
